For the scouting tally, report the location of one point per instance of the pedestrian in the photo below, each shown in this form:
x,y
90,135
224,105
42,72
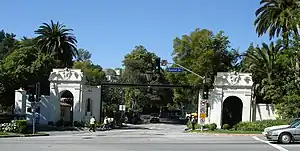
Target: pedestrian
x,y
92,124
193,123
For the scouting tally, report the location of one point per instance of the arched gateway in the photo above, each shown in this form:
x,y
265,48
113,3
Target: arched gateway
x,y
70,100
230,100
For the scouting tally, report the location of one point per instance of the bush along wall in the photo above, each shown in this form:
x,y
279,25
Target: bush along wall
x,y
246,126
19,126
259,125
210,127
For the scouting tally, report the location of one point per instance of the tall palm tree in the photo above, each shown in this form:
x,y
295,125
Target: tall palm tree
x,y
262,60
58,40
277,17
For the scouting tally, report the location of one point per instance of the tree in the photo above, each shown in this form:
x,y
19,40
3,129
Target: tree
x,y
262,60
93,73
56,39
205,54
7,43
138,65
84,55
276,17
26,65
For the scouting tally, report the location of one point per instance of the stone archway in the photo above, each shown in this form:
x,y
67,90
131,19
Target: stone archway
x,y
232,112
66,106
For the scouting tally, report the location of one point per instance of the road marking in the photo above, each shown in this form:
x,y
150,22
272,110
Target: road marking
x,y
273,145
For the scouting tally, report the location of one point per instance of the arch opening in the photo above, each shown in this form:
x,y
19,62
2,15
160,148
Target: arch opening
x,y
232,111
66,106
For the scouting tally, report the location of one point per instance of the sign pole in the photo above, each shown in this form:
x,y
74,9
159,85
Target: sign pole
x,y
33,118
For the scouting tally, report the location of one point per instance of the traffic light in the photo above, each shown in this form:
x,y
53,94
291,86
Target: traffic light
x,y
205,91
37,92
157,65
30,95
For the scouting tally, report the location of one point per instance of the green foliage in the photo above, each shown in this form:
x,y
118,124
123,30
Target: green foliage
x,y
139,70
56,39
289,106
204,53
79,123
22,126
94,74
259,125
18,126
211,127
226,126
7,44
276,17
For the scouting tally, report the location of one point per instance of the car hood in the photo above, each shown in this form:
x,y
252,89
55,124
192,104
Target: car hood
x,y
276,127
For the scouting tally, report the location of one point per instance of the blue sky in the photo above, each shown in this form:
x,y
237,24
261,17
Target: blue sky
x,y
109,29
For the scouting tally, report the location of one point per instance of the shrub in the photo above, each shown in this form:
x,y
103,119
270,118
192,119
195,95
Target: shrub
x,y
9,127
212,126
59,123
21,126
226,127
51,123
79,124
259,125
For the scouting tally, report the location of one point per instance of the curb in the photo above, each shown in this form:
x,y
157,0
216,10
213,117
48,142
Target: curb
x,y
222,134
22,135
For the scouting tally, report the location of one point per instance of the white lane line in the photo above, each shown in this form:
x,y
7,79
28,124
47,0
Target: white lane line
x,y
273,145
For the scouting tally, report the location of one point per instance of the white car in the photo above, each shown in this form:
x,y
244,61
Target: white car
x,y
266,130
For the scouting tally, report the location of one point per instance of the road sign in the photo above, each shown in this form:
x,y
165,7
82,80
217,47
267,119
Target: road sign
x,y
122,107
202,121
202,110
174,69
202,115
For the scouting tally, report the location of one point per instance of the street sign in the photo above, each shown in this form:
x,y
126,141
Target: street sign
x,y
202,121
174,69
122,107
202,110
202,115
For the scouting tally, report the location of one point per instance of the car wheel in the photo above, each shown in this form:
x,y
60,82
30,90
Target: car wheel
x,y
285,138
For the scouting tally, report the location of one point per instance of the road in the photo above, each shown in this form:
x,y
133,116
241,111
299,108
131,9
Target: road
x,y
151,137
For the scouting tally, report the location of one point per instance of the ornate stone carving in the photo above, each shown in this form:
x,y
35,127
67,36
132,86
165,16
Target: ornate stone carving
x,y
67,73
234,78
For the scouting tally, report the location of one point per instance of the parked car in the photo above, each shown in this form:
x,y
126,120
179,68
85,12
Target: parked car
x,y
285,135
154,118
266,130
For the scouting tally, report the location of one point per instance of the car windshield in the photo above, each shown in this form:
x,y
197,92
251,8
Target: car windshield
x,y
295,121
295,124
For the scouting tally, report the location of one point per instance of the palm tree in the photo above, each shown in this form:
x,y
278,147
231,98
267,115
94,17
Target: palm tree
x,y
277,17
56,39
262,60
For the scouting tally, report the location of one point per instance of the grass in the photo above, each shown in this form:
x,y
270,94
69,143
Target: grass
x,y
219,131
3,133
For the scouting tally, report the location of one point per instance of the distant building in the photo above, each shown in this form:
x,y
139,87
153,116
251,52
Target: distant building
x,y
113,75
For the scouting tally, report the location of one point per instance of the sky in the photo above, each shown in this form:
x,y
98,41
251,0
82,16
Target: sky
x,y
110,29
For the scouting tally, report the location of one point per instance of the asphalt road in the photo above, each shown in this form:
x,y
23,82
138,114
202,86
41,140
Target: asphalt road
x,y
152,137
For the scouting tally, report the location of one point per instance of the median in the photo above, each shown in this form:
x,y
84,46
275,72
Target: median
x,y
17,128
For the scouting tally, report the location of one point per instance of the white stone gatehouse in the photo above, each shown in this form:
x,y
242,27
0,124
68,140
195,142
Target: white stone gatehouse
x,y
69,100
230,102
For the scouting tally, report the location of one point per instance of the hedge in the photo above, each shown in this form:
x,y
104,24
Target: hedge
x,y
211,127
259,125
247,126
